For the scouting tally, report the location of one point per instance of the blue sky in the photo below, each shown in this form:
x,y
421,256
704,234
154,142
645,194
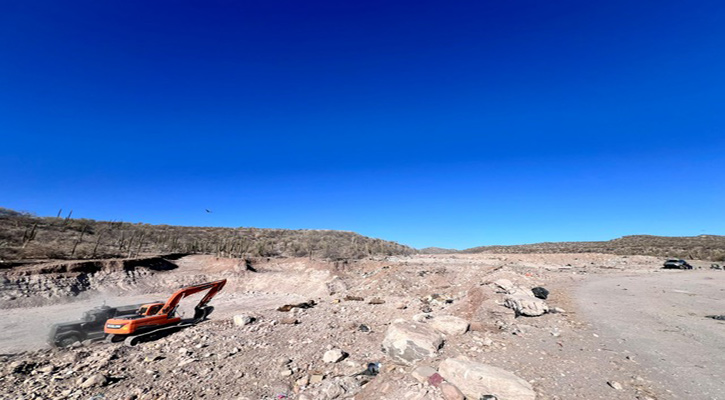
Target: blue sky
x,y
451,124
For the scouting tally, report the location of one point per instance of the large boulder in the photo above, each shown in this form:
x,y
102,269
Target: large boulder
x,y
449,325
526,305
407,342
476,380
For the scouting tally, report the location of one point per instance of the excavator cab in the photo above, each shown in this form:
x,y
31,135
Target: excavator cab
x,y
150,309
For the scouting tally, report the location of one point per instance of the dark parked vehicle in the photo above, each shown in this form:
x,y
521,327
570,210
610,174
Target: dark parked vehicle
x,y
89,327
677,264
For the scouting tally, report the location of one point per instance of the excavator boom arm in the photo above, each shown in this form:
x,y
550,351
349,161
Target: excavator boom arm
x,y
212,287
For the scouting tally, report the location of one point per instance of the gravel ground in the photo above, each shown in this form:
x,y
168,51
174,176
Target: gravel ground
x,y
597,346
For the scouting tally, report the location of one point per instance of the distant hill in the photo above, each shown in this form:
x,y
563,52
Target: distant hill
x,y
437,250
24,236
703,247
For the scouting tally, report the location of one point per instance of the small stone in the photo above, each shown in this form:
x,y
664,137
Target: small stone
x,y
333,356
153,357
422,373
286,372
376,301
450,392
186,362
46,369
304,381
540,292
450,325
289,321
435,380
94,380
316,378
615,385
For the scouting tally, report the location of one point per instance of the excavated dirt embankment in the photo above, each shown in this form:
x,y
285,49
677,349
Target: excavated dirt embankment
x,y
48,283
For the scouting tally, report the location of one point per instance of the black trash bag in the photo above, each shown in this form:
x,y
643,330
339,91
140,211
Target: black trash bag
x,y
540,292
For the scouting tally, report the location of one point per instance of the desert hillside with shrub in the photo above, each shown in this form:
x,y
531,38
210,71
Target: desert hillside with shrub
x,y
703,247
24,236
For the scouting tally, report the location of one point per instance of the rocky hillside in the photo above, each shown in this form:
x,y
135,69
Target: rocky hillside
x,y
703,247
27,237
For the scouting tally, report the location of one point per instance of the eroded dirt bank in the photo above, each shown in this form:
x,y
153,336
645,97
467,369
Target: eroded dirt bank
x,y
569,352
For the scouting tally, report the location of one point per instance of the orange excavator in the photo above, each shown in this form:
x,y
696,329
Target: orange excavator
x,y
159,319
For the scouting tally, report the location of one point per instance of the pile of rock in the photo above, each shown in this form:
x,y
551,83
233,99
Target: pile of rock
x,y
523,301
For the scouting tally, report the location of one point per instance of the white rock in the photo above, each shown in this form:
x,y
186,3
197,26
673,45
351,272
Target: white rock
x,y
476,379
526,305
242,320
94,380
408,342
333,356
422,317
449,325
615,385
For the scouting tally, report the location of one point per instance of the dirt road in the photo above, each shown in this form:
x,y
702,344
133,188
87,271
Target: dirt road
x,y
660,318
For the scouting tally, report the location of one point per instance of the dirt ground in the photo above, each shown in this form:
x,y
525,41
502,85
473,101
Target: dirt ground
x,y
624,329
660,320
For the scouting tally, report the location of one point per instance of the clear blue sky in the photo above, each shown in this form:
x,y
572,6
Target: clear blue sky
x,y
452,124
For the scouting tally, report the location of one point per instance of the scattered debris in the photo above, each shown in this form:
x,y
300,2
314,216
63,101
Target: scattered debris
x,y
354,298
372,370
303,306
676,264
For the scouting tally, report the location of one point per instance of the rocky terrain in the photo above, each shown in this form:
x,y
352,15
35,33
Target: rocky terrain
x,y
412,327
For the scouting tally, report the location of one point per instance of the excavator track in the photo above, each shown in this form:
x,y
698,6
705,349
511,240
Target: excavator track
x,y
134,340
